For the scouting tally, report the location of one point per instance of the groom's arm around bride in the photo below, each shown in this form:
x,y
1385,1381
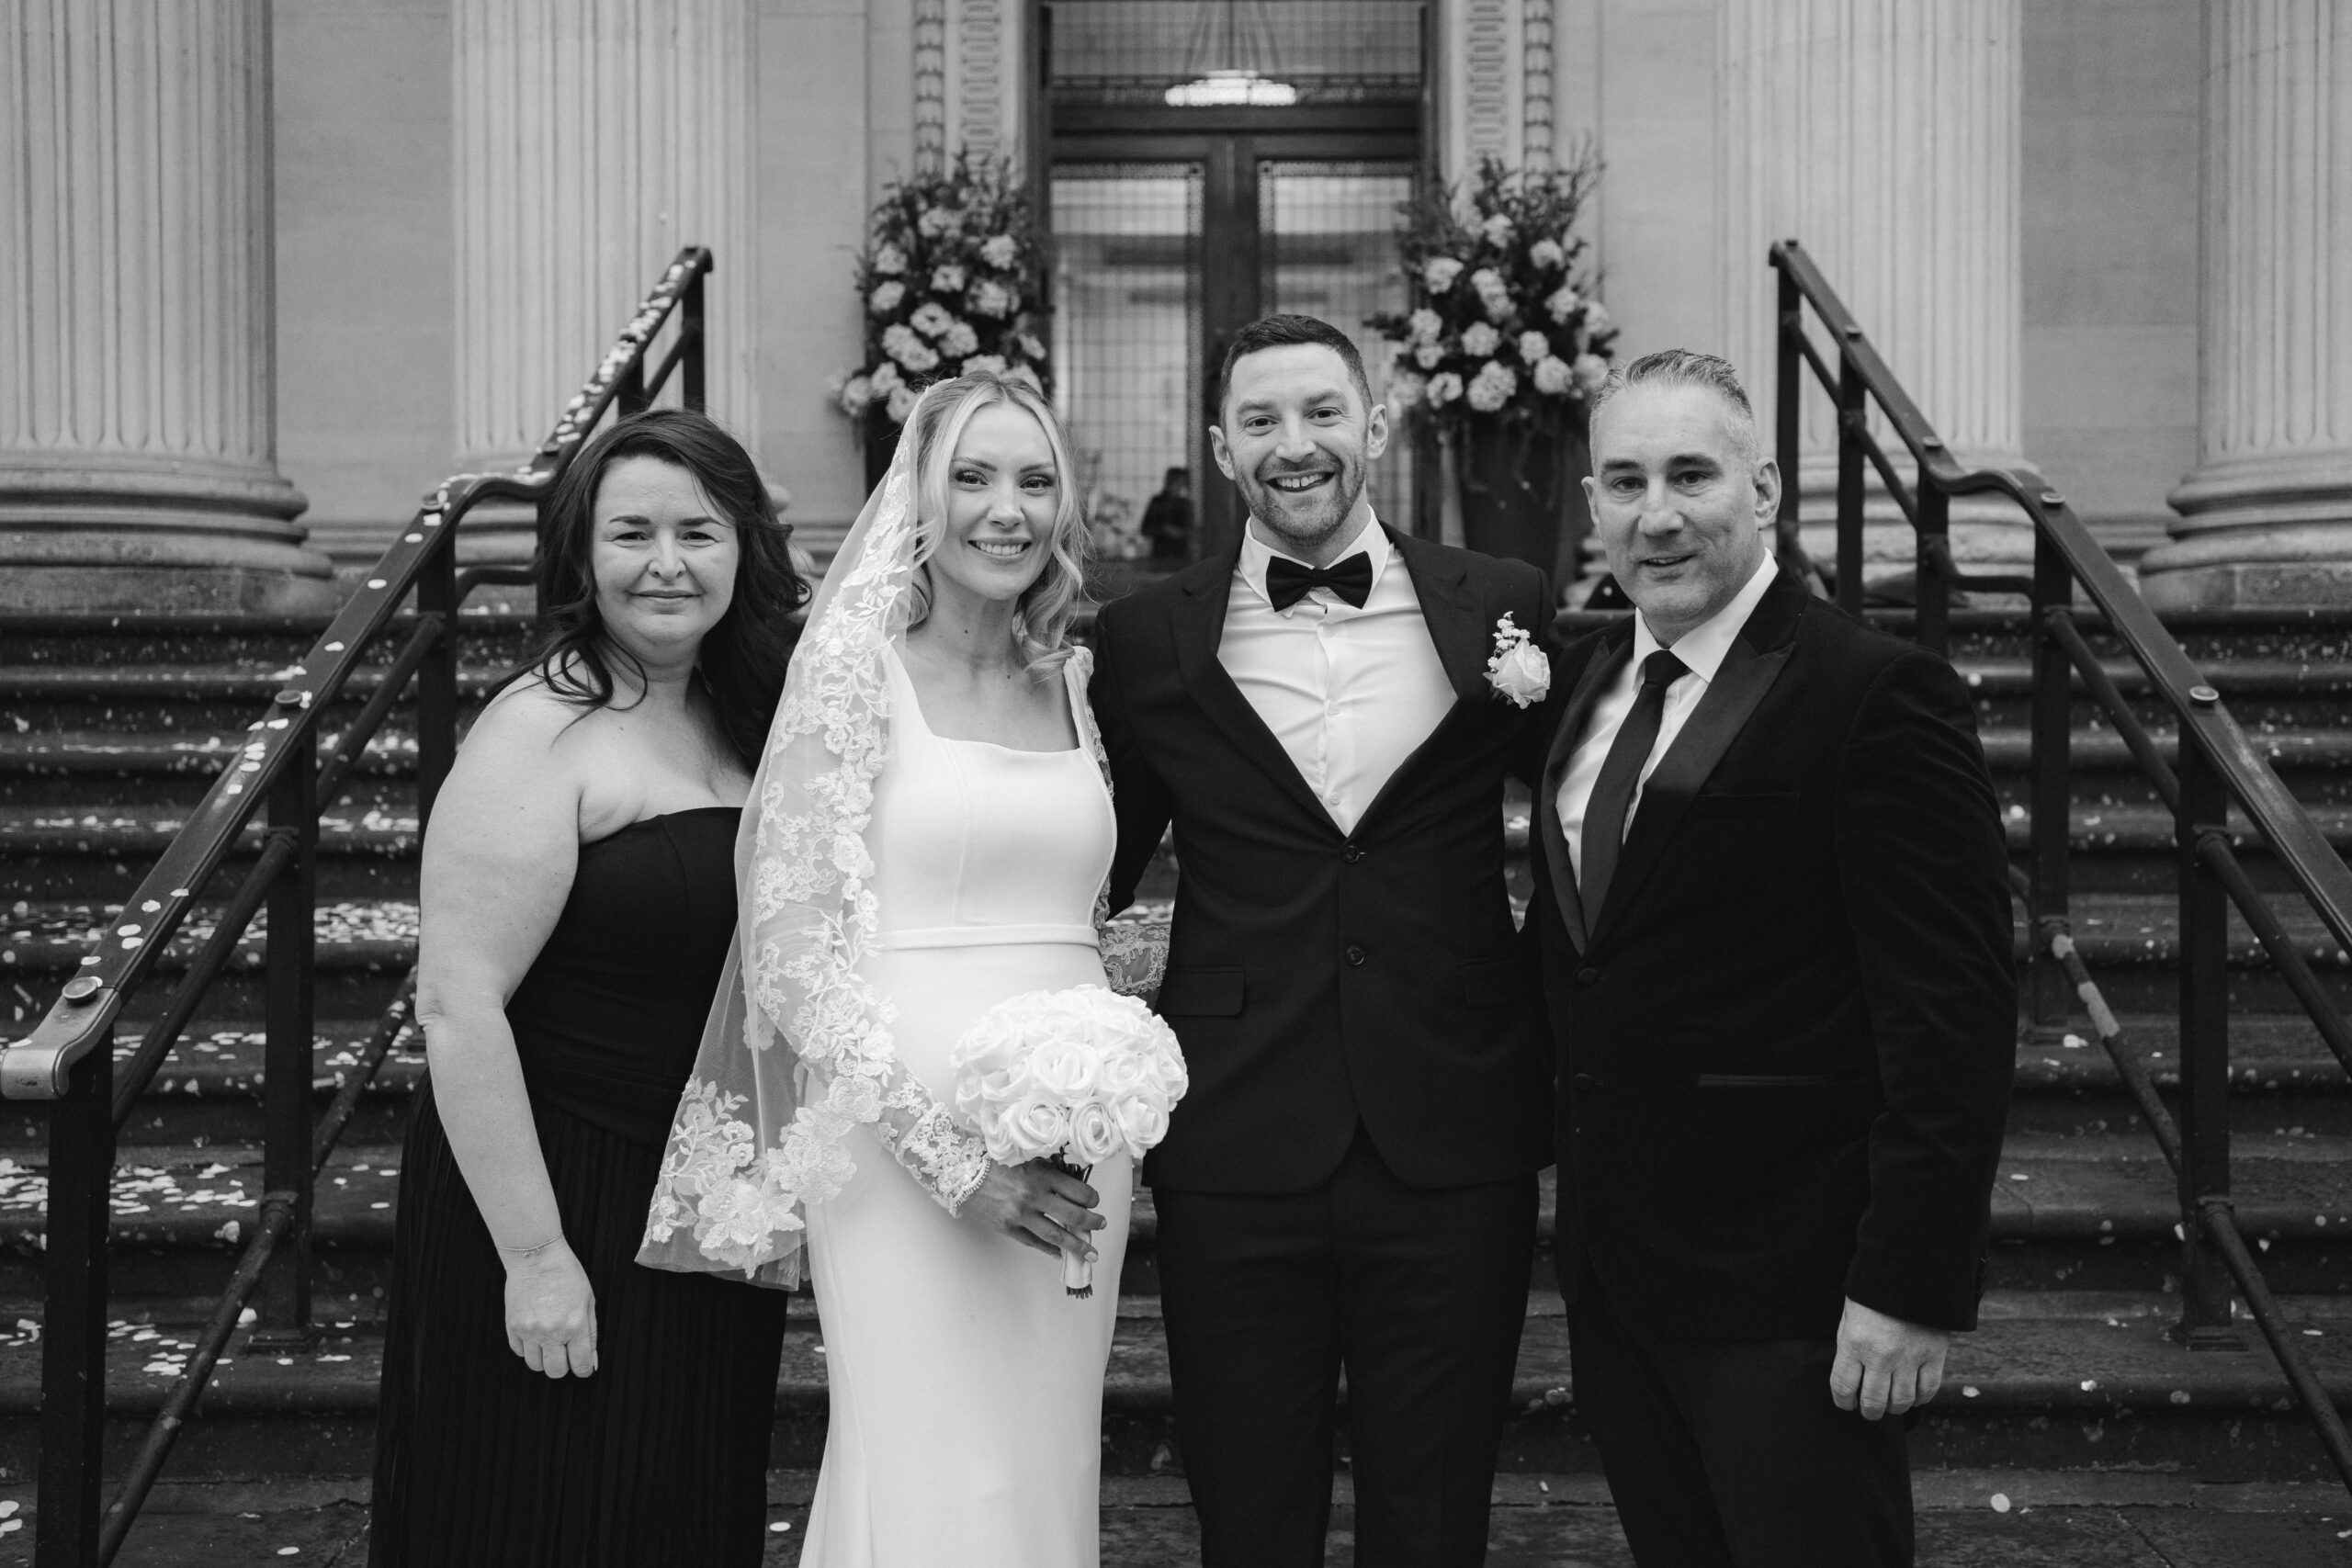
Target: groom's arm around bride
x,y
1350,1179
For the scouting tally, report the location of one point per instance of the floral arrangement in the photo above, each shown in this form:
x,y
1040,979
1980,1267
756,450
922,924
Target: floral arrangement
x,y
1503,325
1073,1076
951,281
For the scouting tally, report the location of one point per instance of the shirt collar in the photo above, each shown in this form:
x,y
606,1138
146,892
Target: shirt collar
x,y
1371,540
1702,648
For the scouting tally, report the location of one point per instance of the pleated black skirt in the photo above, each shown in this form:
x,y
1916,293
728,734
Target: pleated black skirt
x,y
659,1459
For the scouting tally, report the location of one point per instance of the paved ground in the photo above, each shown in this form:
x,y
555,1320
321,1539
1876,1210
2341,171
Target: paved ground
x,y
2052,1521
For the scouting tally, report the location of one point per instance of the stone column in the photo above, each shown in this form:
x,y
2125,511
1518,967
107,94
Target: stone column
x,y
1883,135
592,142
2267,519
137,402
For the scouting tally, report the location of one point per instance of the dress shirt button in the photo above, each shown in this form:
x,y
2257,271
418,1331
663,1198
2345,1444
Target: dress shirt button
x,y
1584,1083
1355,954
1353,854
1587,977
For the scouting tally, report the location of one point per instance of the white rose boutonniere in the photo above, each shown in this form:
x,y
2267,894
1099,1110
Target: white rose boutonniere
x,y
1518,670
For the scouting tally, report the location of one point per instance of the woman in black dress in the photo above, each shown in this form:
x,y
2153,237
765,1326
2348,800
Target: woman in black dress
x,y
546,1399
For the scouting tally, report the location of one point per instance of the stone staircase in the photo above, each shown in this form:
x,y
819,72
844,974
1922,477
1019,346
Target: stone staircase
x,y
107,730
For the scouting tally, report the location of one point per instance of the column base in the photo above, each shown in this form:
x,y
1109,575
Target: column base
x,y
148,568
2304,566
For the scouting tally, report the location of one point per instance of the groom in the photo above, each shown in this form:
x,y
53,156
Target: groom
x,y
1350,1181
1775,925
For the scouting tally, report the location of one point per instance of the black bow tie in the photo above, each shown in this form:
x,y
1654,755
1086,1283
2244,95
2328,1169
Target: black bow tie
x,y
1288,582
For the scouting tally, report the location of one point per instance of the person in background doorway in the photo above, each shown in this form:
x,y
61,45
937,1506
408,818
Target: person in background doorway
x,y
1168,518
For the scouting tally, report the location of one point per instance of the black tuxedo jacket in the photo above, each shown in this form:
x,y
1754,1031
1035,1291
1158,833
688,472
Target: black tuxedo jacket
x,y
1786,1043
1320,979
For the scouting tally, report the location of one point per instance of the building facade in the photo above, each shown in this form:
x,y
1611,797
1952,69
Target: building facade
x,y
273,270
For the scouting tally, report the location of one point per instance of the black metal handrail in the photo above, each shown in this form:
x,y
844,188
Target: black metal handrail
x,y
68,1058
2217,767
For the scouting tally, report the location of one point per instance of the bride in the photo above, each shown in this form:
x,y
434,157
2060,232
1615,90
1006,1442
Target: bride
x,y
931,833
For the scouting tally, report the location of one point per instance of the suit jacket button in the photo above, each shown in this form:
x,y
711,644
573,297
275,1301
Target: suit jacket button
x,y
1587,977
1351,855
1355,953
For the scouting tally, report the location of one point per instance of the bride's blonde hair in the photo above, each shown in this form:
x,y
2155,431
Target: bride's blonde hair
x,y
1041,618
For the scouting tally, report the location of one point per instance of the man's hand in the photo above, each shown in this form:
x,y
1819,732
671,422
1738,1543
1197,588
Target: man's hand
x,y
1884,1363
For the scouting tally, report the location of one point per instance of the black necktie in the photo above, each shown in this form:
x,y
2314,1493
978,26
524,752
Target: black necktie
x,y
1612,792
1288,582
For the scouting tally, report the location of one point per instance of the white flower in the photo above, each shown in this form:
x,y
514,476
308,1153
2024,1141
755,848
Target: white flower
x,y
1001,251
1596,317
1480,340
1591,370
1405,390
1498,230
939,220
1534,347
885,379
889,261
886,296
1428,356
1425,326
931,319
1444,389
991,297
959,340
1093,1135
1143,1122
1492,387
854,395
1030,1130
1031,347
1546,252
1065,1069
900,342
975,364
1562,303
903,403
947,279
1438,273
1494,294
1553,376
1518,671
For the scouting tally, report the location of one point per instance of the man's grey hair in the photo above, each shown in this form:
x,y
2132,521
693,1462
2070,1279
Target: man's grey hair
x,y
1688,368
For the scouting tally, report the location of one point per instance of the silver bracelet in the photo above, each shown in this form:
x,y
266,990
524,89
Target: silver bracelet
x,y
528,1251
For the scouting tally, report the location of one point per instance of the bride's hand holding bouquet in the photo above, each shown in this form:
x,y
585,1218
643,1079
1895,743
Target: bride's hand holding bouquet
x,y
1057,1082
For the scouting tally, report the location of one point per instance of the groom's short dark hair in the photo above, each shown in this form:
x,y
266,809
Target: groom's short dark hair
x,y
1284,331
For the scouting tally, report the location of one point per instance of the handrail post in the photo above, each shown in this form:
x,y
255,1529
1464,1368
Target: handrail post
x,y
437,678
291,991
1933,593
73,1314
2204,1103
629,394
690,391
1851,392
1788,429
2048,995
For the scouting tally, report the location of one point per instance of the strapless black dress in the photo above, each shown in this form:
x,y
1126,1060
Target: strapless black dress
x,y
661,1457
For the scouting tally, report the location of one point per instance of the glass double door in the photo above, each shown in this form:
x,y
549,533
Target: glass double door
x,y
1159,261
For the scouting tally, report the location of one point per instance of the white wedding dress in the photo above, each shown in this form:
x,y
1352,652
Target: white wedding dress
x,y
966,1385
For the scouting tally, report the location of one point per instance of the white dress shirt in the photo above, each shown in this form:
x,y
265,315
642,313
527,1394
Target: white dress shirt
x,y
1350,692
1702,649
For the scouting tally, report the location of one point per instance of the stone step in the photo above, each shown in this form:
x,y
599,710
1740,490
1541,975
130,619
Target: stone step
x,y
2078,1211
68,698
2054,1380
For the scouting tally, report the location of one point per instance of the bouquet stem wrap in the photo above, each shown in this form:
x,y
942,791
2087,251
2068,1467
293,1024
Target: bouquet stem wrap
x,y
1073,1076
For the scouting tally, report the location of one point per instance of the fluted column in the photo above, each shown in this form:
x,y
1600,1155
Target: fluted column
x,y
1883,135
594,139
137,416
2267,519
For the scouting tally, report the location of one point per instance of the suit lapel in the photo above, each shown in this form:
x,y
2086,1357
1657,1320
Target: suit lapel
x,y
1614,648
1753,662
1198,617
1449,610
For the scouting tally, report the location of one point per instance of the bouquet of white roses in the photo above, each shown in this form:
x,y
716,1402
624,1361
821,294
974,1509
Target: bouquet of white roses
x,y
1073,1076
950,283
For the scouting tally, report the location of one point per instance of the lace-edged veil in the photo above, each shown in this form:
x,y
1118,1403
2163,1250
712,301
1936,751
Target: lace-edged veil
x,y
751,1143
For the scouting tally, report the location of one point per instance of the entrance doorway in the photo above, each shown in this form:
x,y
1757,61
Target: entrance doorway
x,y
1175,224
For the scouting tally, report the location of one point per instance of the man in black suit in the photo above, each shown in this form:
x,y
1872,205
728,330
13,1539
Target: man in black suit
x,y
1775,929
1351,1181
